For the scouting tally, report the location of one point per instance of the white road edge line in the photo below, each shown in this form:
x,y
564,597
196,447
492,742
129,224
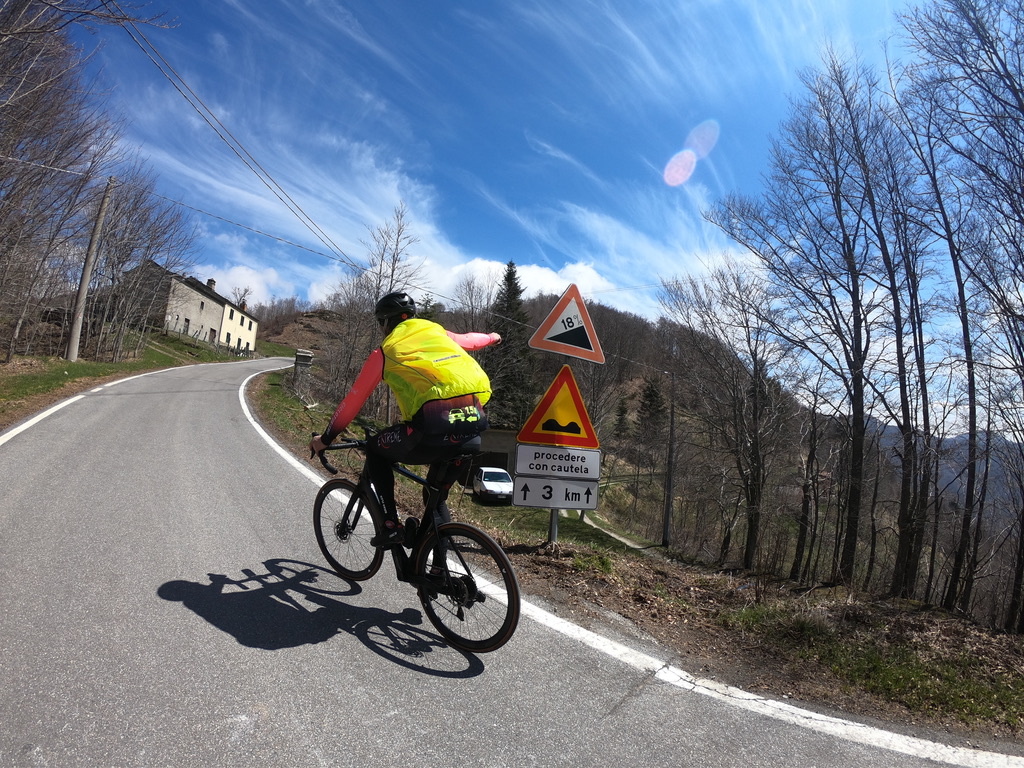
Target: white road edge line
x,y
75,398
50,411
36,419
666,673
286,455
662,670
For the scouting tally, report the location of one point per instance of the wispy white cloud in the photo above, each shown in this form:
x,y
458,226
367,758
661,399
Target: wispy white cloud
x,y
548,150
536,132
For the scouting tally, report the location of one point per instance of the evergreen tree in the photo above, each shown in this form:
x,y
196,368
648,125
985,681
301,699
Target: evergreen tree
x,y
623,426
429,309
510,364
651,417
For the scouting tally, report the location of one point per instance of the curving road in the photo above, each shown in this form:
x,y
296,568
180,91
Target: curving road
x,y
159,611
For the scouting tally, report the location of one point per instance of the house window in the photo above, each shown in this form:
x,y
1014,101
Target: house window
x,y
250,325
241,320
238,344
186,326
227,339
231,314
202,305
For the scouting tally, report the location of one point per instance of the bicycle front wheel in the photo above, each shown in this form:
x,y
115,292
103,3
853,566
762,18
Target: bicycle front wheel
x,y
344,526
474,599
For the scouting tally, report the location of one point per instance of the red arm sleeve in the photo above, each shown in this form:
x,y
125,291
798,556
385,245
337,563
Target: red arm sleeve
x,y
369,377
472,341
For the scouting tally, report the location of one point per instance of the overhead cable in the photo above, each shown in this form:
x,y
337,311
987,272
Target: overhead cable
x,y
225,135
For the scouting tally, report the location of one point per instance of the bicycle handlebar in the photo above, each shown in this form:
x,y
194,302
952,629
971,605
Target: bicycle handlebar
x,y
333,447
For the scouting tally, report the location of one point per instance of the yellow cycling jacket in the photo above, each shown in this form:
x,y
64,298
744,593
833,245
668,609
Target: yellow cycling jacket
x,y
423,363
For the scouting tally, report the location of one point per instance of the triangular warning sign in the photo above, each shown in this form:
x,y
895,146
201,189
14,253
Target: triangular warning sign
x,y
561,417
569,330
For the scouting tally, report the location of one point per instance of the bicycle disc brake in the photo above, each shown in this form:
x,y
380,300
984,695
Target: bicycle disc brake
x,y
342,530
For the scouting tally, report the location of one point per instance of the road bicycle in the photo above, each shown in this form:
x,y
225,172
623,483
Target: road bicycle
x,y
465,581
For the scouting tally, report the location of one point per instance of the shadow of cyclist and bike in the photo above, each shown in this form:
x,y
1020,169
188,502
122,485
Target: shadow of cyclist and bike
x,y
295,603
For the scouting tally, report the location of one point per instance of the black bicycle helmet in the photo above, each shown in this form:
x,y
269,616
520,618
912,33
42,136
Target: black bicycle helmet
x,y
394,308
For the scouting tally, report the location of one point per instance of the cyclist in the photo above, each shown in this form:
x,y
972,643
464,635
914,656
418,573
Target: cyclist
x,y
441,393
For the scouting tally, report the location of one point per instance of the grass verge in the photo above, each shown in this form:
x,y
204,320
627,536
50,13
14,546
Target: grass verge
x,y
28,384
962,685
934,664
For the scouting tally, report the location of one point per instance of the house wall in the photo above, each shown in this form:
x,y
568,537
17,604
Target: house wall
x,y
238,330
192,313
215,321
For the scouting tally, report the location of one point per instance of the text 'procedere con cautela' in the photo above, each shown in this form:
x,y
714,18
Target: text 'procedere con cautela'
x,y
562,463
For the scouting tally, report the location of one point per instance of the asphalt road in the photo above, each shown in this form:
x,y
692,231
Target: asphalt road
x,y
151,538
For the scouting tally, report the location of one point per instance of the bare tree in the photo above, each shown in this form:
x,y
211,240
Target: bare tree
x,y
967,102
884,177
36,19
389,268
53,140
473,298
389,258
741,409
816,458
240,296
276,313
810,235
139,228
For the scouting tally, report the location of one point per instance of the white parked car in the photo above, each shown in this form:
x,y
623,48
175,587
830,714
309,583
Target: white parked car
x,y
491,484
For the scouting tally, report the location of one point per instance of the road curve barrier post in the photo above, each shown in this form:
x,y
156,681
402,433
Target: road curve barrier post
x,y
300,372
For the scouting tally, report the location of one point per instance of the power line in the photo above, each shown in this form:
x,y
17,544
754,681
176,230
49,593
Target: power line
x,y
451,299
225,135
232,222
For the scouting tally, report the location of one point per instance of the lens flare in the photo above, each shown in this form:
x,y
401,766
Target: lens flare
x,y
703,138
699,144
680,168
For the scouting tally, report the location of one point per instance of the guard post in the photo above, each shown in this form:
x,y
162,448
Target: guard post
x,y
300,371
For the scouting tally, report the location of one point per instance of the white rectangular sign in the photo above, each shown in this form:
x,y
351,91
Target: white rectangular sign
x,y
554,493
551,461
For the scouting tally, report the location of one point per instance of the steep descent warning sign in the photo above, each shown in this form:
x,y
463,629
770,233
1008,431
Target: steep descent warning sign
x,y
561,417
569,330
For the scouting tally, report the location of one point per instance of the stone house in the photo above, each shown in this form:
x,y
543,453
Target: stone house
x,y
196,309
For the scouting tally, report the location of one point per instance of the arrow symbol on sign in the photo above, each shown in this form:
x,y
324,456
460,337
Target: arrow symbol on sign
x,y
526,490
588,493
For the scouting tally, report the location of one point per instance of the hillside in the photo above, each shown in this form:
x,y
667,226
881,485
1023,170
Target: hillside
x,y
818,647
306,332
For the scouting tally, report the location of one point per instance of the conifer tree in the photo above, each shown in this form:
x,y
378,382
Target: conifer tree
x,y
510,364
652,413
429,309
623,426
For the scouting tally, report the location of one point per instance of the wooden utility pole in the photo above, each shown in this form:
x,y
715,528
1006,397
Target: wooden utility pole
x,y
83,285
670,466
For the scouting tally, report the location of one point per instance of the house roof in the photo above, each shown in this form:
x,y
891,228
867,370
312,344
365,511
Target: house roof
x,y
200,287
196,285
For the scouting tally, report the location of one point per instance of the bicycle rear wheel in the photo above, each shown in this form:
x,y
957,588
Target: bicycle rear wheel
x,y
475,605
344,526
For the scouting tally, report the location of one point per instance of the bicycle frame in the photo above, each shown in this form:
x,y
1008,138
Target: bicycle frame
x,y
431,519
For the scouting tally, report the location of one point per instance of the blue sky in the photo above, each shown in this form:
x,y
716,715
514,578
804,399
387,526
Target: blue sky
x,y
535,131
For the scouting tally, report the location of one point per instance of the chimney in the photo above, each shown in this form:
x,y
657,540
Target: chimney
x,y
211,284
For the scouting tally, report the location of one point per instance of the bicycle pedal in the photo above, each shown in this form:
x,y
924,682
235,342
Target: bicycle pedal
x,y
411,526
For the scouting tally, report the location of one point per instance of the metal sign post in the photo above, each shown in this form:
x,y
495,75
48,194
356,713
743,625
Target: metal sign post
x,y
557,461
